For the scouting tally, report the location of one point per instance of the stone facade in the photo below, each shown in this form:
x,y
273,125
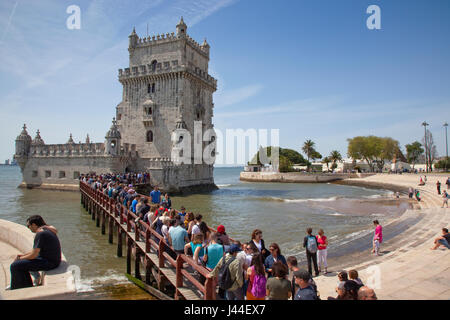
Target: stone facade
x,y
165,89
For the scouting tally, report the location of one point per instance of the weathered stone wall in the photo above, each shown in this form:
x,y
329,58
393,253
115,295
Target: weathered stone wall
x,y
49,170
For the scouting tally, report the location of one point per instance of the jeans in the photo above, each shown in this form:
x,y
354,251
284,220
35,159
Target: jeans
x,y
237,294
444,243
312,257
20,275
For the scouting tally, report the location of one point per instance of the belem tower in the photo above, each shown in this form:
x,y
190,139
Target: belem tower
x,y
166,88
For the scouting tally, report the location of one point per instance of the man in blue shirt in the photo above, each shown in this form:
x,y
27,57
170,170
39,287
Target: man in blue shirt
x,y
305,290
155,195
178,237
134,203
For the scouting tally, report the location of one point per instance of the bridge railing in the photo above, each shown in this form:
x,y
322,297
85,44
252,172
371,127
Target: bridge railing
x,y
153,240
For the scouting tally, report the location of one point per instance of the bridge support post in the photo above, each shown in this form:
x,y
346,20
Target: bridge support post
x,y
137,260
110,229
103,222
129,249
119,241
97,214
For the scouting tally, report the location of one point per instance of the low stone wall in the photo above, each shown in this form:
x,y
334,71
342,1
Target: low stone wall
x,y
53,186
58,283
298,177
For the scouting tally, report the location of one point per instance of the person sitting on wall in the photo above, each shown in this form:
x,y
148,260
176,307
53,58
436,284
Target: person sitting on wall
x,y
46,254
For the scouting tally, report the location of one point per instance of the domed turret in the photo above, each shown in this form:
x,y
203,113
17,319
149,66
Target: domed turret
x,y
112,143
181,143
70,141
23,143
133,39
37,141
181,29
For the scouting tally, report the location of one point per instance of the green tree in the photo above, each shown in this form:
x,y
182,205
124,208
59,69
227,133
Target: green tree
x,y
293,156
373,150
316,155
413,152
308,149
443,164
285,164
335,156
327,161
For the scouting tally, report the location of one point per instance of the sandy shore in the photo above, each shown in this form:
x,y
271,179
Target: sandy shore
x,y
407,268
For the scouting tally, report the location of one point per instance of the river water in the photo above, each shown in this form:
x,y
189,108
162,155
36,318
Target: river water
x,y
281,211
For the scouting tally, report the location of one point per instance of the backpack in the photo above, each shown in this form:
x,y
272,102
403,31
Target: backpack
x,y
225,281
311,244
259,286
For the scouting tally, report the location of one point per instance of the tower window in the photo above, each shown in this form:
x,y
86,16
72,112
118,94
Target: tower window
x,y
149,111
34,174
153,87
154,62
149,88
76,174
62,174
149,136
48,173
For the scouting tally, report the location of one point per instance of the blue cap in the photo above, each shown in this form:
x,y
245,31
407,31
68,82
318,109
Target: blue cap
x,y
234,248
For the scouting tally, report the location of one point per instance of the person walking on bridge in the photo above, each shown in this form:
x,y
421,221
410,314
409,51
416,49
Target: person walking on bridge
x,y
155,195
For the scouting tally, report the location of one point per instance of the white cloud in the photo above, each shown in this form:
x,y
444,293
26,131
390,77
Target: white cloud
x,y
231,97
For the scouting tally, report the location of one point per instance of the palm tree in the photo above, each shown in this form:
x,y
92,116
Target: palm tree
x,y
335,156
326,160
308,149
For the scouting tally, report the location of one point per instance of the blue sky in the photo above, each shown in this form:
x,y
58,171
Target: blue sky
x,y
310,68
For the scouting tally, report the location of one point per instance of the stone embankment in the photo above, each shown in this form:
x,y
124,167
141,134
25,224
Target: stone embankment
x,y
407,268
17,239
298,177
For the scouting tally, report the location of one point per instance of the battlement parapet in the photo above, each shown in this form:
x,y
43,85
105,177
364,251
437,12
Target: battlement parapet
x,y
68,150
170,37
163,68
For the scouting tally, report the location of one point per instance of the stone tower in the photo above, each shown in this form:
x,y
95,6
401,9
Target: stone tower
x,y
167,82
167,101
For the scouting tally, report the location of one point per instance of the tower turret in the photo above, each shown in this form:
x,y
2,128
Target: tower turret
x,y
23,145
70,141
205,46
38,141
23,142
181,29
112,142
133,39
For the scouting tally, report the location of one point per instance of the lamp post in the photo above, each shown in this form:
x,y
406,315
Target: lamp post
x,y
425,124
446,146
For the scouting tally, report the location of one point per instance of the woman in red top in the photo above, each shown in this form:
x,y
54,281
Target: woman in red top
x,y
322,252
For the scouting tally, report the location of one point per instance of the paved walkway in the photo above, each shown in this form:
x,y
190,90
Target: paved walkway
x,y
409,269
7,255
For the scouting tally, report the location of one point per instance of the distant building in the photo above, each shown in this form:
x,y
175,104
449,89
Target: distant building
x,y
7,162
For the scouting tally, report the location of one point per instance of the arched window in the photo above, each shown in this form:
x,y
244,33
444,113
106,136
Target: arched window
x,y
149,136
154,62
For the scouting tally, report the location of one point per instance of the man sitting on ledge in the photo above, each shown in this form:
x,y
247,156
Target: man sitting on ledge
x,y
46,254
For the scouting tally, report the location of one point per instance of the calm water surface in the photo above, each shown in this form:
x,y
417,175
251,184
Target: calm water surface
x,y
281,211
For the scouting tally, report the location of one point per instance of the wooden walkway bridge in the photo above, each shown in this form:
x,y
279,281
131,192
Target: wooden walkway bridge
x,y
148,249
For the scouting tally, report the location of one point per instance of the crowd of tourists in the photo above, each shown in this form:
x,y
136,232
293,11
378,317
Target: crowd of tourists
x,y
244,271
